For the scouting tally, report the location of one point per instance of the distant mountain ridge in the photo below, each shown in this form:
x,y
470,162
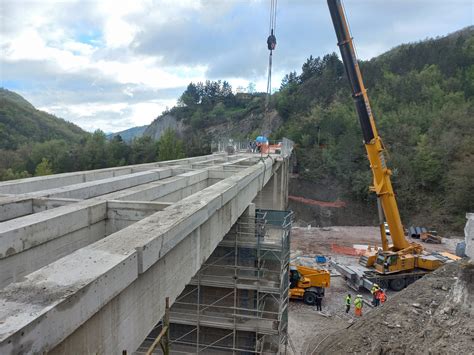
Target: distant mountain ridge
x,y
129,134
21,122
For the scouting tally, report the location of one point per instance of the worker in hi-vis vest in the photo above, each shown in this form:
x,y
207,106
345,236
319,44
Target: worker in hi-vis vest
x,y
358,303
348,302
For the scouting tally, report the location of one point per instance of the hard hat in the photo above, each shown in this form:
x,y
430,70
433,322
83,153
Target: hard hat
x,y
376,285
359,295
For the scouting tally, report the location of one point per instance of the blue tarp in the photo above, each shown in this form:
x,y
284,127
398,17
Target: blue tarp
x,y
261,139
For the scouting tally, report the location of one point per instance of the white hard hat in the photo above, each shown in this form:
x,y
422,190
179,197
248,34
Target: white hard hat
x,y
359,295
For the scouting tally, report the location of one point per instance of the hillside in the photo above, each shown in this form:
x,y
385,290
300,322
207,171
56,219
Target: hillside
x,y
21,123
129,134
422,97
208,112
34,143
421,94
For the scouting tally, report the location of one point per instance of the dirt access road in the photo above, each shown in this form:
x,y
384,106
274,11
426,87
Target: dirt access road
x,y
314,241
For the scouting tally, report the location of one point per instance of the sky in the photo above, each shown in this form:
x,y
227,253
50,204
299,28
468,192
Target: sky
x,y
112,65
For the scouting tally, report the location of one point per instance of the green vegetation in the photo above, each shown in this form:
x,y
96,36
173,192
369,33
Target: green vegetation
x,y
37,143
421,93
422,97
44,168
21,123
169,147
212,103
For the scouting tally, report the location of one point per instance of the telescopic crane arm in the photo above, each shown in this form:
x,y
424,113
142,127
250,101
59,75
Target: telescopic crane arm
x,y
382,185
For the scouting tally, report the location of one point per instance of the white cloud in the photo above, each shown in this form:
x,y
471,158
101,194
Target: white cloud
x,y
142,112
94,71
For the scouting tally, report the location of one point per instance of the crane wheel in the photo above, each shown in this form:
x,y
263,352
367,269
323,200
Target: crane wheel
x,y
397,284
309,298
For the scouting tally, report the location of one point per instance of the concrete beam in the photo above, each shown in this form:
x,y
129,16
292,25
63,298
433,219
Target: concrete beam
x,y
91,189
22,186
43,203
13,207
121,214
33,241
26,232
132,269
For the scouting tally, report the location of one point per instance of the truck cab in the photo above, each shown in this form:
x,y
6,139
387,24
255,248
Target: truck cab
x,y
307,283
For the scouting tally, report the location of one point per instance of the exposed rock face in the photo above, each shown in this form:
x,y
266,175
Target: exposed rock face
x,y
156,129
264,124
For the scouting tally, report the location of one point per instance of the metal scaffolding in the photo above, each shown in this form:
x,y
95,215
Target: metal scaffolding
x,y
238,301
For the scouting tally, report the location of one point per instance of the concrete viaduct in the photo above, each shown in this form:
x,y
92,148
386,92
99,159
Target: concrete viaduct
x,y
87,258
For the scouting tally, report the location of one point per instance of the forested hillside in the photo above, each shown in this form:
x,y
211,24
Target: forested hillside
x,y
421,94
20,123
34,143
422,97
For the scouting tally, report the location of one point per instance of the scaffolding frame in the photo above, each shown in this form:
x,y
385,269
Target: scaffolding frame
x,y
249,272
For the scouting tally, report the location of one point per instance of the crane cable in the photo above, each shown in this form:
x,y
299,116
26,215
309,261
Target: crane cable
x,y
271,43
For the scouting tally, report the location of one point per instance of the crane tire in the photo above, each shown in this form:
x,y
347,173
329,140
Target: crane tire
x,y
309,298
397,284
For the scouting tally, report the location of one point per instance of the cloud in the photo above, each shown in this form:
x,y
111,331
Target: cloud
x,y
115,64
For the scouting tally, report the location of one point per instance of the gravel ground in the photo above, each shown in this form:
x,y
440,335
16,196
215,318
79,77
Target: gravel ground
x,y
309,330
432,316
307,327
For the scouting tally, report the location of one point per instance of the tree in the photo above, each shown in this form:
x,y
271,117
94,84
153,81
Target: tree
x,y
93,154
313,66
251,88
169,146
289,81
118,152
9,174
44,168
143,150
191,96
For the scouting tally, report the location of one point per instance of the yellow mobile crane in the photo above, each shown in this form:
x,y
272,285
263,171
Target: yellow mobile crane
x,y
406,259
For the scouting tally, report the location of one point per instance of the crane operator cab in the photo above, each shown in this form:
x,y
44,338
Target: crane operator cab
x,y
271,42
392,262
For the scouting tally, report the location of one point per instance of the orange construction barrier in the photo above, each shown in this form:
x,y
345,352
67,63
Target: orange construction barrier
x,y
340,249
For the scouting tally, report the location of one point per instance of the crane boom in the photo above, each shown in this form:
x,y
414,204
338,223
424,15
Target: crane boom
x,y
382,185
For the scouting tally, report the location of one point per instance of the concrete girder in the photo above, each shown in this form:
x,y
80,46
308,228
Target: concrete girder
x,y
127,269
20,205
22,186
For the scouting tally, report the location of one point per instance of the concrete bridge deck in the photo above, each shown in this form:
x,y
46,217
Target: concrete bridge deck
x,y
87,258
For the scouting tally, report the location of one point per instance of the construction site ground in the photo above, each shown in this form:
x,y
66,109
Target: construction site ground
x,y
310,330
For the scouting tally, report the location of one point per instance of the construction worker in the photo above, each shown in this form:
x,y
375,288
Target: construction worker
x,y
348,302
319,300
358,304
382,296
374,290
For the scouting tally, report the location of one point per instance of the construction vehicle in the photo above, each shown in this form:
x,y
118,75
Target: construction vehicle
x,y
424,235
307,284
403,259
430,237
